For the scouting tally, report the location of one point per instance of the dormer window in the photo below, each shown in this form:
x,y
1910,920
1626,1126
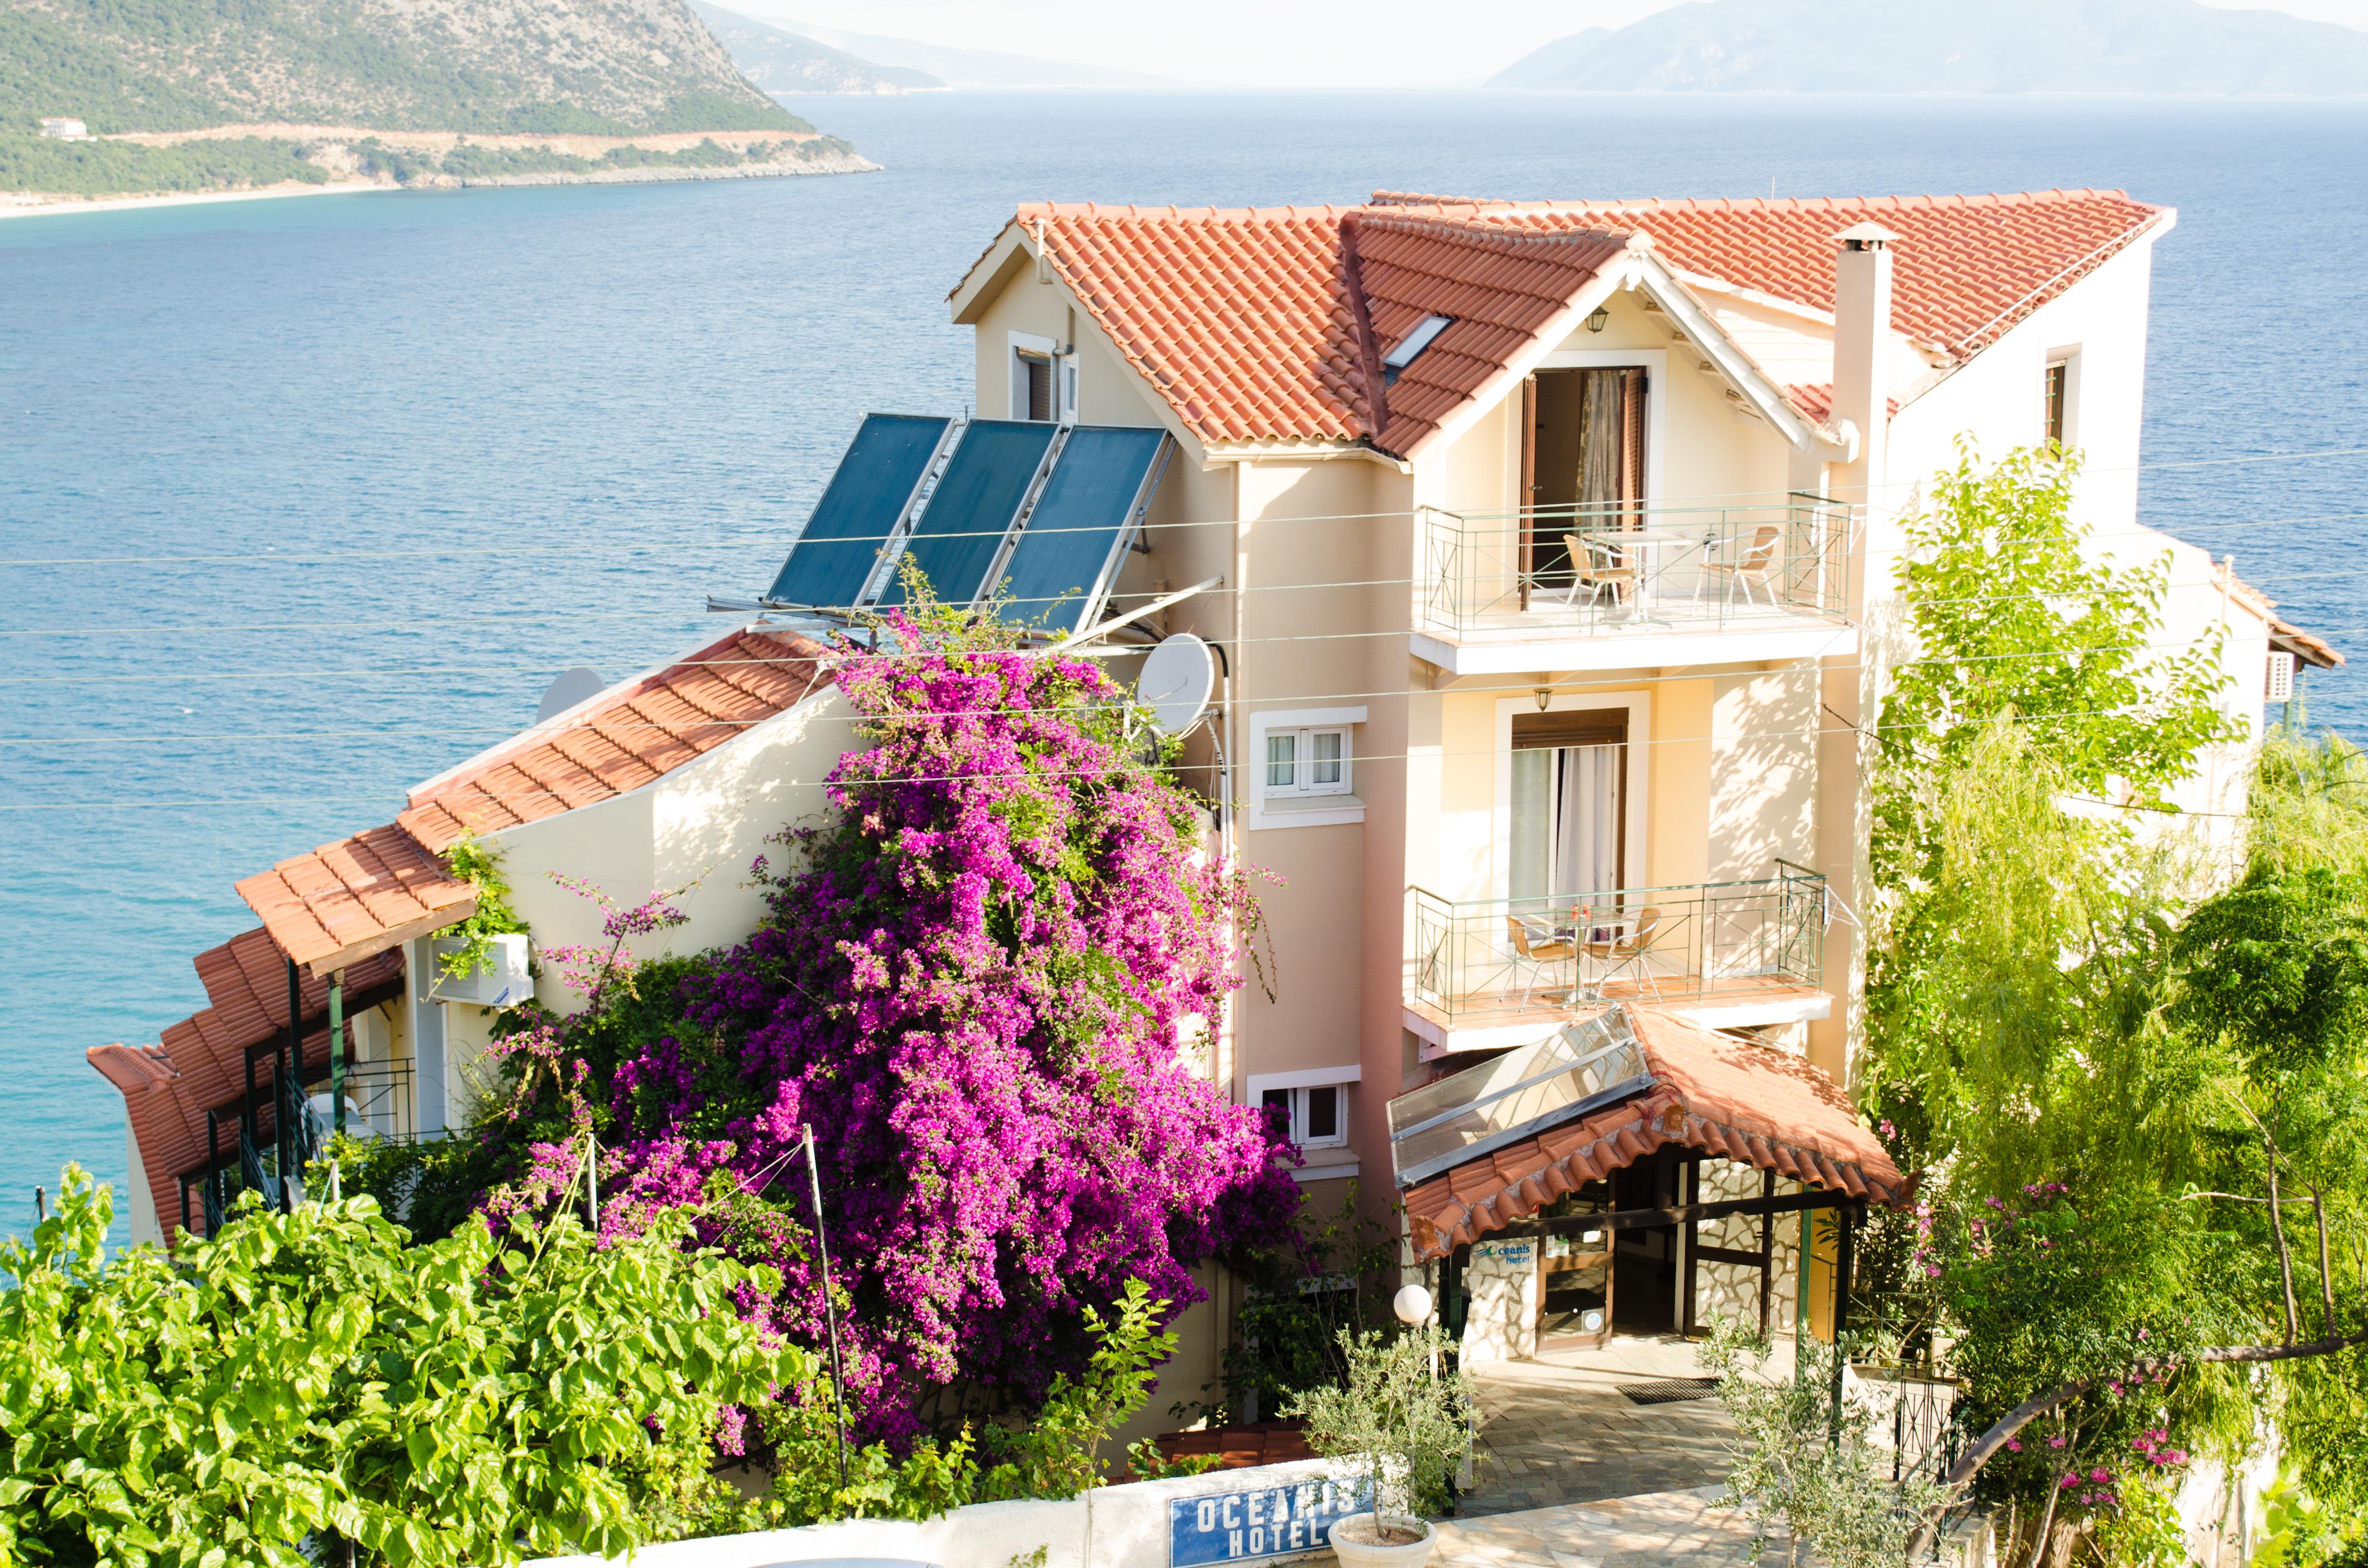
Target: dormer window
x,y
1411,345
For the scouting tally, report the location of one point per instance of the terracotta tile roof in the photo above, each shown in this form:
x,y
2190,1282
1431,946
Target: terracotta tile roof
x,y
201,1063
1966,267
637,735
2284,635
1714,1092
1240,316
1501,291
1269,324
385,886
359,896
351,904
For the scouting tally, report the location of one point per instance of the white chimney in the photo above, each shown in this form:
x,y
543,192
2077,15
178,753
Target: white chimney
x,y
1863,354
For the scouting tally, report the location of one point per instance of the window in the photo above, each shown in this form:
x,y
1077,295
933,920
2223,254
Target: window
x,y
1036,373
2056,397
1315,1115
1313,761
1411,345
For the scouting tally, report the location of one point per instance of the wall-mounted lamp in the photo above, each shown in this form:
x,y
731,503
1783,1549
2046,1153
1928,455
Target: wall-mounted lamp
x,y
1596,322
1544,696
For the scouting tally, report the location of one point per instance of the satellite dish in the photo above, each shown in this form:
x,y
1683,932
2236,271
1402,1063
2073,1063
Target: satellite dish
x,y
567,688
1177,677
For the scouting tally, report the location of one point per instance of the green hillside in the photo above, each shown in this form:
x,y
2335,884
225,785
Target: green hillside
x,y
595,67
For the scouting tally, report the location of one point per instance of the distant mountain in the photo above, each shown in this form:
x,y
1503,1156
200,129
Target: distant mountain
x,y
593,67
784,62
1954,46
977,68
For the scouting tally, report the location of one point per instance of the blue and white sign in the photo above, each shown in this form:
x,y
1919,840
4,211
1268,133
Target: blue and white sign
x,y
1266,1521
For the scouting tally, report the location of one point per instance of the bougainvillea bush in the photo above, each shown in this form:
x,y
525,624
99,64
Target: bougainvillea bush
x,y
988,976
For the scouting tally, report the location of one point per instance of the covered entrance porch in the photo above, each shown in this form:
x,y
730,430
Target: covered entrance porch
x,y
1633,1175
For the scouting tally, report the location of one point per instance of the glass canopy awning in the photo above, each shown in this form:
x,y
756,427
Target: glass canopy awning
x,y
1590,1063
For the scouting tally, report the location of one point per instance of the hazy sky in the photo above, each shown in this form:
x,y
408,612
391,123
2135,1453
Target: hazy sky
x,y
1274,42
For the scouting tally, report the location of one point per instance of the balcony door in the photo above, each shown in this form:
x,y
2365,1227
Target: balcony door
x,y
1569,803
1582,460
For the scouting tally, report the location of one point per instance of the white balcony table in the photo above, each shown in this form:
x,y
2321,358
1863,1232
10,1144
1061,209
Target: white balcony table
x,y
1654,547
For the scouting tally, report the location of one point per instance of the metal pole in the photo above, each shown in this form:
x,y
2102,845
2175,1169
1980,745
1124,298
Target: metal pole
x,y
41,1206
337,1051
829,1308
282,1135
592,1179
1847,1222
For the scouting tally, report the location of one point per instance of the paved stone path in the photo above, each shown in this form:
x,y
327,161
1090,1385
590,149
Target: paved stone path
x,y
1660,1529
1557,1430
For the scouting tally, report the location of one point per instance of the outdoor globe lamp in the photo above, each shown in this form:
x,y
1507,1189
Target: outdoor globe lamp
x,y
1412,1305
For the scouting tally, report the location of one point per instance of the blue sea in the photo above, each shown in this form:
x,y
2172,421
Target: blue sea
x,y
302,500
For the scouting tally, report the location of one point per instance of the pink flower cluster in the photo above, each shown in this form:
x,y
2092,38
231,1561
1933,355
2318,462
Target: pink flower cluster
x,y
981,985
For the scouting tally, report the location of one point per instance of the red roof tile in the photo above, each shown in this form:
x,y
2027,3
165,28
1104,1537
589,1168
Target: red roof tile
x,y
638,734
385,886
201,1063
1269,324
1749,1102
1965,270
359,896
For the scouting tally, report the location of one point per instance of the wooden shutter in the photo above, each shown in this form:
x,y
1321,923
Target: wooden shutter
x,y
1572,727
1632,442
1040,388
1527,496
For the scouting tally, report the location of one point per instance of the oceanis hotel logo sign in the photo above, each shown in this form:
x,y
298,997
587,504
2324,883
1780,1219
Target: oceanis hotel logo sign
x,y
1268,1521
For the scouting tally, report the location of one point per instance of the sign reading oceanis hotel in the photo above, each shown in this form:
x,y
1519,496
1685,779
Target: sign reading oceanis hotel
x,y
1266,1521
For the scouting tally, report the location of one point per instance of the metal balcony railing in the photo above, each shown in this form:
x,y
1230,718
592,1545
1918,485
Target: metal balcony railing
x,y
379,1102
1584,570
1494,959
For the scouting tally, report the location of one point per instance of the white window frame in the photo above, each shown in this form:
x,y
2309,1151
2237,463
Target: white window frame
x,y
1034,346
1297,1084
1300,805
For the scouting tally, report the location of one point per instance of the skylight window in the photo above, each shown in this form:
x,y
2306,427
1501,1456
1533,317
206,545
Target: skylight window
x,y
1411,345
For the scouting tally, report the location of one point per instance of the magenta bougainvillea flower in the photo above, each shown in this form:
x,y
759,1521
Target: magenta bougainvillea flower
x,y
985,980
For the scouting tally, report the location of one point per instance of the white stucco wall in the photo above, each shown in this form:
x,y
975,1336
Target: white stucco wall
x,y
695,833
1144,1524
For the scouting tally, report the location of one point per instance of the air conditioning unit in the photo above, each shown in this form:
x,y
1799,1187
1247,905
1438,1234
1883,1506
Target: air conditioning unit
x,y
2279,686
500,980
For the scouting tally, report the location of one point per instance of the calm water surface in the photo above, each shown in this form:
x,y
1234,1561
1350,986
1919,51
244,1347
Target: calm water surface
x,y
303,500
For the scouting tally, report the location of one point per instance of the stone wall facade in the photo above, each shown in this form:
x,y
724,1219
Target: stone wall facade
x,y
1732,1289
1501,1323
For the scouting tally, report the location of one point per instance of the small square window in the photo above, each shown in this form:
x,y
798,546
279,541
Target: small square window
x,y
1312,1116
1307,762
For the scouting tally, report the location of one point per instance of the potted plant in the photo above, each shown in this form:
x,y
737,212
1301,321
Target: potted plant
x,y
1404,1427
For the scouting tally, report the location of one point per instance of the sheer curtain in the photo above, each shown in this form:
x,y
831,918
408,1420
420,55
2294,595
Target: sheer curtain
x,y
1566,826
1586,829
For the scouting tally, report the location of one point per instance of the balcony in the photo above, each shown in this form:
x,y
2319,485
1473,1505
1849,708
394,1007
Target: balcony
x,y
1495,973
1608,588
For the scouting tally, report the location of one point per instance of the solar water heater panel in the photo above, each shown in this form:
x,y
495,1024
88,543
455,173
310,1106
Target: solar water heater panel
x,y
960,532
860,510
1068,557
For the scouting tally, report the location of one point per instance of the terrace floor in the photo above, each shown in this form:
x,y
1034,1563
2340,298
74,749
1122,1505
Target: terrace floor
x,y
1647,1532
1557,1430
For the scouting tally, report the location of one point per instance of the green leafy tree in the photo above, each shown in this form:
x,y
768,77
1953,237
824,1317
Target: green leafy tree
x,y
1399,1415
1797,1465
311,1375
2011,618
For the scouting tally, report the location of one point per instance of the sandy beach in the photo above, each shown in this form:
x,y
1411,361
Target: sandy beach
x,y
34,204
